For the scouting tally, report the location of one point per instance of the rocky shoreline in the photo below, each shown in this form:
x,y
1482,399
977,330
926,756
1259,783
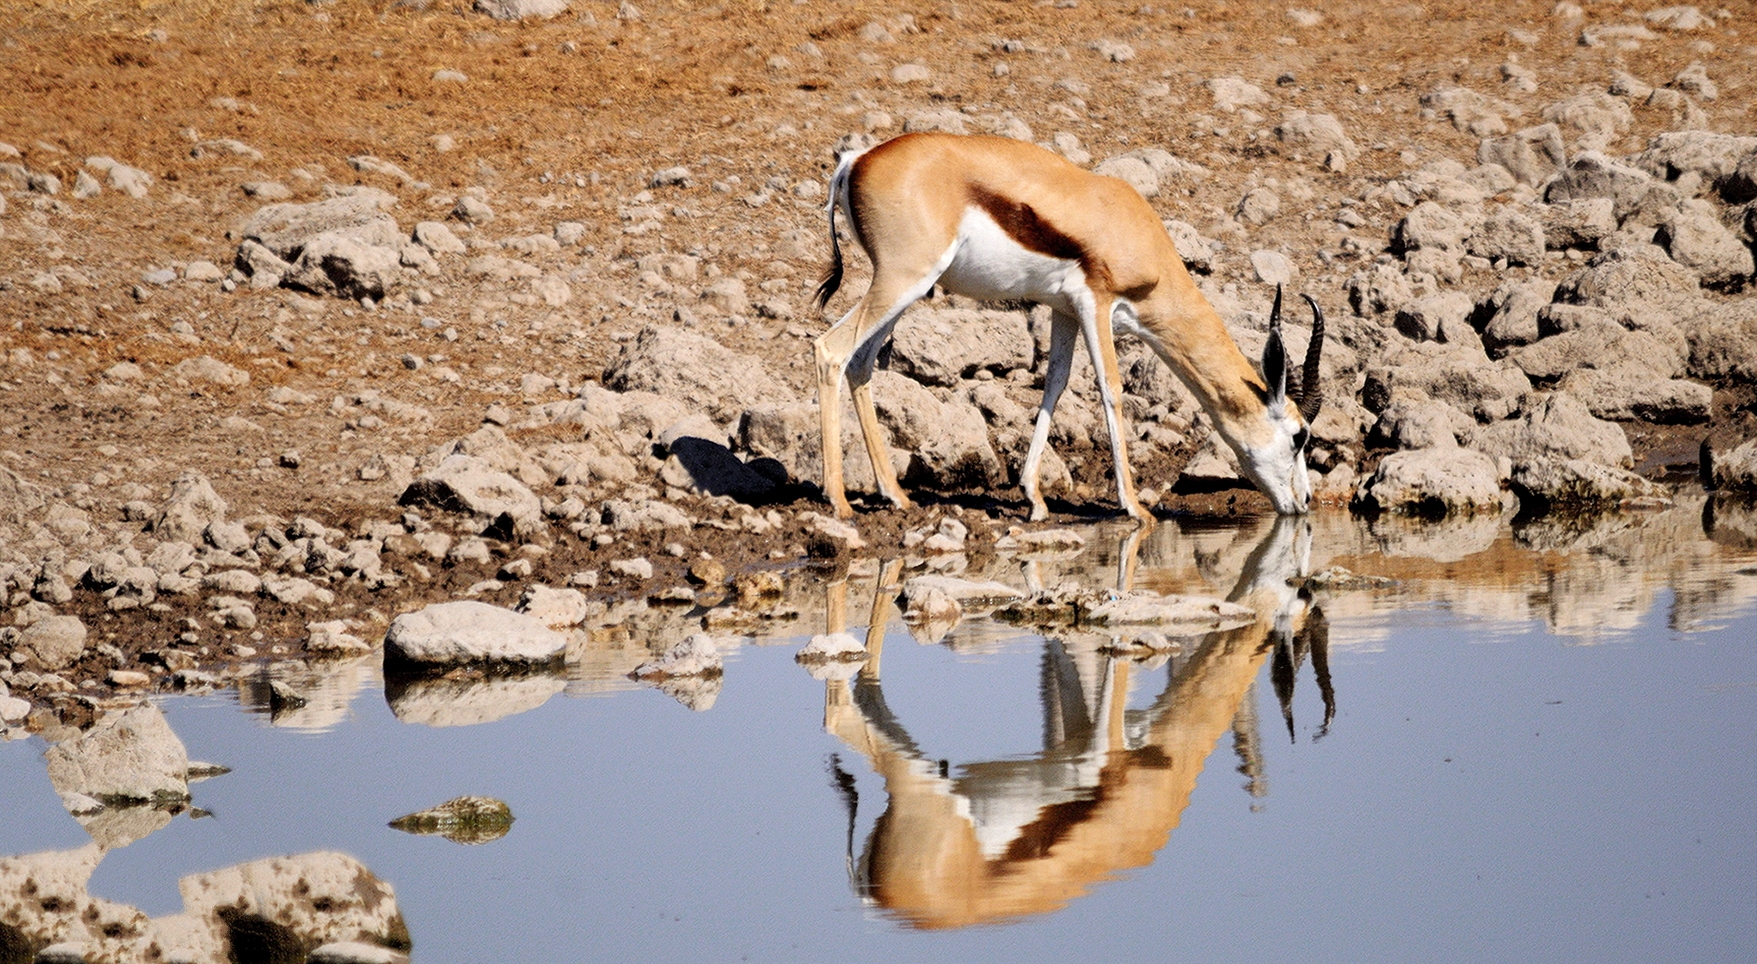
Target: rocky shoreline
x,y
368,383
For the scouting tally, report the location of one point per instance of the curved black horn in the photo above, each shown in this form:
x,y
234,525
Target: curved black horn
x,y
1311,393
1275,355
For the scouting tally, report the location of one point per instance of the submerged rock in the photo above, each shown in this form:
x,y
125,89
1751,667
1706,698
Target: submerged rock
x,y
695,656
465,820
967,593
1181,615
831,647
462,633
128,757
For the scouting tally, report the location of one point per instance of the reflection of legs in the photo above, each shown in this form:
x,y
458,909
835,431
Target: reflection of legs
x,y
1062,330
883,602
1128,556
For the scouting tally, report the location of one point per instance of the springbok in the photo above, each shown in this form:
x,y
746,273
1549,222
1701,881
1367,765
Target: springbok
x,y
1001,220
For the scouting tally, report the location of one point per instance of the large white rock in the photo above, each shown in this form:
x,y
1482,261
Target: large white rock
x,y
1434,481
464,632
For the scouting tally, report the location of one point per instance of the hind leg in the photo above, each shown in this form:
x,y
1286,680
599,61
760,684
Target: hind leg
x,y
850,348
1063,329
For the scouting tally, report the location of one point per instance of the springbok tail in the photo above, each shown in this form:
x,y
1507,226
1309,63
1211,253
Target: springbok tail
x,y
832,279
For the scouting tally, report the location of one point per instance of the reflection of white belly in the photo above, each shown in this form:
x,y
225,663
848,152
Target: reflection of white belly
x,y
990,266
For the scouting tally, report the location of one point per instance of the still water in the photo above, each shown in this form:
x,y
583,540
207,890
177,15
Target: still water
x,y
1536,745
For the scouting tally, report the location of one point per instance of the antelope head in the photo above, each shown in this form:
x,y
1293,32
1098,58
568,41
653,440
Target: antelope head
x,y
1278,465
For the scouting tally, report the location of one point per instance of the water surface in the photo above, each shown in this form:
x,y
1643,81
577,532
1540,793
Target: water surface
x,y
1538,747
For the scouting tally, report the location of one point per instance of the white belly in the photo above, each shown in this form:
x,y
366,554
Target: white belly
x,y
990,266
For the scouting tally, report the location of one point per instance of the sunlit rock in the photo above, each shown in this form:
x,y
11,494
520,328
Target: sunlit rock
x,y
282,908
442,702
1434,481
462,633
831,647
932,614
557,608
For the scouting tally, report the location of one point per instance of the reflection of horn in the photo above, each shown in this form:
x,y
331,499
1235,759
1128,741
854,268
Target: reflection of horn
x,y
1311,394
843,782
1282,667
1316,635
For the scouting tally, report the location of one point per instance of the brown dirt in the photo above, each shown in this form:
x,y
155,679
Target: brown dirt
x,y
566,120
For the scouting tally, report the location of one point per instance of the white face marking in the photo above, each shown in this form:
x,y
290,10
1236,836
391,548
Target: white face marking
x,y
1279,471
991,266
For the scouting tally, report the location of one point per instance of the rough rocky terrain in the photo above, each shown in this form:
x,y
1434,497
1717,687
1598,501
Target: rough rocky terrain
x,y
316,313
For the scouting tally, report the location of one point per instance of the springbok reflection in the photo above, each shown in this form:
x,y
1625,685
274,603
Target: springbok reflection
x,y
1003,839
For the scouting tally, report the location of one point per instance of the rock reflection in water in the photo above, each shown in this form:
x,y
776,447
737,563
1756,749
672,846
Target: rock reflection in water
x,y
277,909
438,701
1003,839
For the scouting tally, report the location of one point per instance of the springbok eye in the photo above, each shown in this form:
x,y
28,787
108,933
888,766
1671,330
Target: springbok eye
x,y
1300,438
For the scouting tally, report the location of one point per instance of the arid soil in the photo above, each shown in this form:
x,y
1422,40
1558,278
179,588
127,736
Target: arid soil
x,y
230,105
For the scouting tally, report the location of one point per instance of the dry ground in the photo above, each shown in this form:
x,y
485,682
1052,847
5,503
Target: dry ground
x,y
568,119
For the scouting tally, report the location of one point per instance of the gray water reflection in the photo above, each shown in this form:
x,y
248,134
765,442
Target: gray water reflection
x,y
938,831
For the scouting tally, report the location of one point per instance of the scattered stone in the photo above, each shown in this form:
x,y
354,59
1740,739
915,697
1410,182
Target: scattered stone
x,y
54,642
637,568
332,640
556,608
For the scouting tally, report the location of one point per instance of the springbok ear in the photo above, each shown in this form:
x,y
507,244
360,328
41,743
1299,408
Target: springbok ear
x,y
1275,356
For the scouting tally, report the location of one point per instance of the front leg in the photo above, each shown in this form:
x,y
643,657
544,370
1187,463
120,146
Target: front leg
x,y
1101,345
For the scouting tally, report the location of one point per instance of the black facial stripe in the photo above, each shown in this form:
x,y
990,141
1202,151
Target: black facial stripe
x,y
1300,438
